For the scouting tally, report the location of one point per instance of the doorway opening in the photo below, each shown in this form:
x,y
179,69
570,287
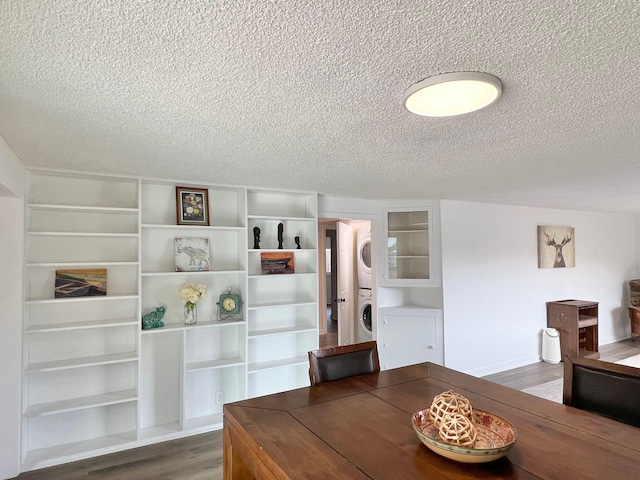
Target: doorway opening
x,y
338,280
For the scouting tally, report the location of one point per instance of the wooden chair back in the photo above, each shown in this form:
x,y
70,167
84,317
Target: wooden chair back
x,y
607,389
334,363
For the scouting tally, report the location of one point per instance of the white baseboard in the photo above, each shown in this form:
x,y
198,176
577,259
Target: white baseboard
x,y
501,367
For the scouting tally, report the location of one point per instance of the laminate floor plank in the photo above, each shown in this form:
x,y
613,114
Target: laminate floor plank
x,y
197,457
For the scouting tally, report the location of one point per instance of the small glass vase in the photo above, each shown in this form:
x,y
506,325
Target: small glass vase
x,y
190,313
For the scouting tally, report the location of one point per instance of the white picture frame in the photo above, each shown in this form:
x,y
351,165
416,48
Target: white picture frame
x,y
192,254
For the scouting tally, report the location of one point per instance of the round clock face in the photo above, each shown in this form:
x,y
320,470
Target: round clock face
x,y
229,304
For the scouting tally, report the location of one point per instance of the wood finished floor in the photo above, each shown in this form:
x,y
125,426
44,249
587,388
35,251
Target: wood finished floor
x,y
330,339
200,457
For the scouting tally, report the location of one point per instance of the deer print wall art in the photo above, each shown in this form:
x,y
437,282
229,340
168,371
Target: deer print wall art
x,y
556,247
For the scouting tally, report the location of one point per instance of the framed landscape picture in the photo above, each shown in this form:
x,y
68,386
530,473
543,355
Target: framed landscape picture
x,y
192,254
277,263
80,283
192,206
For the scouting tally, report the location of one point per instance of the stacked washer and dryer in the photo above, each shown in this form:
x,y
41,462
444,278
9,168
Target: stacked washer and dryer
x,y
364,330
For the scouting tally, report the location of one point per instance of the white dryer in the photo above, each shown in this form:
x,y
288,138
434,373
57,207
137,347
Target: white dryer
x,y
363,238
364,330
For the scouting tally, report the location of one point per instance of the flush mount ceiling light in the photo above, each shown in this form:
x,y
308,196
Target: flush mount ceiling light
x,y
452,94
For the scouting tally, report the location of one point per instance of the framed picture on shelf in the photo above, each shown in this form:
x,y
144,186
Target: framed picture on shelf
x,y
80,283
192,206
192,254
277,263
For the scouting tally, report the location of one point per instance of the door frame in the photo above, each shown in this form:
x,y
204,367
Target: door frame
x,y
329,223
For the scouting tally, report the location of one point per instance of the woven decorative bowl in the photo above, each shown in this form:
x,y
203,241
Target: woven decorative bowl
x,y
495,438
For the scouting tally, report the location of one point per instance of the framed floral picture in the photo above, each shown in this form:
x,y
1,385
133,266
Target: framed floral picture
x,y
192,206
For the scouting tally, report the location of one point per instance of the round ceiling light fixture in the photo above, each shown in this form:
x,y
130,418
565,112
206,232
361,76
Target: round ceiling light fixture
x,y
452,94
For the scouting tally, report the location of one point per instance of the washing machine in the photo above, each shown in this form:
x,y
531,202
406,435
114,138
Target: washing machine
x,y
363,240
364,331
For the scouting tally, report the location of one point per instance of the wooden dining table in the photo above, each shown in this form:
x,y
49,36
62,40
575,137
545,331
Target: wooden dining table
x,y
360,428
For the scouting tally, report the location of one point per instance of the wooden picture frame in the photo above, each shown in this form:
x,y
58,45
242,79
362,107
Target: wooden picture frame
x,y
80,283
556,247
192,206
277,263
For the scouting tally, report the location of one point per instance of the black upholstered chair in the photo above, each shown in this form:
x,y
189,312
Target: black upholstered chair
x,y
603,388
335,363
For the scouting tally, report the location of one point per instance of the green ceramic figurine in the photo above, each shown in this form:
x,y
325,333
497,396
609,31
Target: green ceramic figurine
x,y
153,319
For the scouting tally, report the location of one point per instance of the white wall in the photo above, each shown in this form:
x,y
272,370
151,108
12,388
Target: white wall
x,y
495,295
637,236
11,254
11,172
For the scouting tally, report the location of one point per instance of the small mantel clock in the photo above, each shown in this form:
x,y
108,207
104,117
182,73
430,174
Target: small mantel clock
x,y
229,306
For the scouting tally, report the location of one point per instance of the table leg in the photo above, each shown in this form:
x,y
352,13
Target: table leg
x,y
233,467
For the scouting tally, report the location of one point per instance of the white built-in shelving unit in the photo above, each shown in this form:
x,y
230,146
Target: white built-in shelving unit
x,y
207,360
282,311
95,382
80,354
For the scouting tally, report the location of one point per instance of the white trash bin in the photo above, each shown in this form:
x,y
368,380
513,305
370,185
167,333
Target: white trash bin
x,y
551,345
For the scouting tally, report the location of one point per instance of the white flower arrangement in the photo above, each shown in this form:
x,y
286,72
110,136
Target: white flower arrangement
x,y
191,293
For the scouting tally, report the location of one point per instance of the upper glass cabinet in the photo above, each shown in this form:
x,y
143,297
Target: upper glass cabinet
x,y
407,247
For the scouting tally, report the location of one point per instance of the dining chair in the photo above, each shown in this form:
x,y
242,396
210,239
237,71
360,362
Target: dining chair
x,y
604,388
334,363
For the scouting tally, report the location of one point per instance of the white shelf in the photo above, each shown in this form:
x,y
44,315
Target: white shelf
x,y
82,234
81,208
408,230
182,274
118,322
204,423
280,331
296,303
73,404
284,362
282,218
281,250
158,226
45,457
80,264
97,298
200,325
211,364
274,276
160,431
81,362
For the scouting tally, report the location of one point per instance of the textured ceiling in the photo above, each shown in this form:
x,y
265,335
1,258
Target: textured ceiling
x,y
307,94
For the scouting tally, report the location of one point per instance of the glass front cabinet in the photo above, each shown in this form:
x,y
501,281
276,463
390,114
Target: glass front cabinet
x,y
407,247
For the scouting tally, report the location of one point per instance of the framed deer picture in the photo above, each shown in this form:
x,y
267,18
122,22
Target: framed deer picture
x,y
556,247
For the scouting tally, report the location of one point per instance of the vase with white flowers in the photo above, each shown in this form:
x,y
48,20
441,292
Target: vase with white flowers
x,y
191,294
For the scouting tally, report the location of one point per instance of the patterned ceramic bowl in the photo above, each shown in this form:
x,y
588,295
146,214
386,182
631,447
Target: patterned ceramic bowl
x,y
495,438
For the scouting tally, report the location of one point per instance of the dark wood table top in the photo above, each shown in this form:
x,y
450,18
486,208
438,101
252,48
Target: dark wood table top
x,y
360,428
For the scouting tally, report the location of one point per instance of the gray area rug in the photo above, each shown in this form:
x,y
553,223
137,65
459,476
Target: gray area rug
x,y
553,390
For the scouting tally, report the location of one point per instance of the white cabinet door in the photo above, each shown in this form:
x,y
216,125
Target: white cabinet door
x,y
408,253
410,335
